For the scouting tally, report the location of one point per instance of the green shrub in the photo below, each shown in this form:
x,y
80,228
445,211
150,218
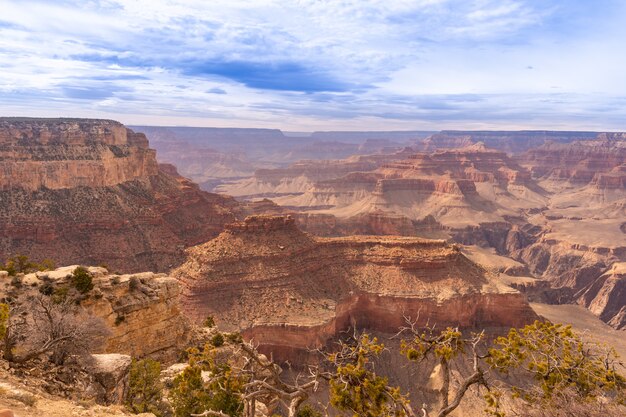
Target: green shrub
x,y
46,265
188,395
234,337
82,280
217,340
209,322
145,391
307,411
4,319
60,294
46,289
191,395
133,283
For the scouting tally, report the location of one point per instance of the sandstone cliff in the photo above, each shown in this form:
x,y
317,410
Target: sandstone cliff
x,y
142,311
90,191
289,290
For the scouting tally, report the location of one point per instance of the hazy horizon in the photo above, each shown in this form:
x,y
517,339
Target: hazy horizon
x,y
319,65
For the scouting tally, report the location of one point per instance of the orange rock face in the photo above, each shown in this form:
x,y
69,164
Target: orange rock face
x,y
289,290
600,162
90,191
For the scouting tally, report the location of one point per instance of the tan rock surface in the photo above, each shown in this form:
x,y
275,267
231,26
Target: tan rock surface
x,y
90,191
289,290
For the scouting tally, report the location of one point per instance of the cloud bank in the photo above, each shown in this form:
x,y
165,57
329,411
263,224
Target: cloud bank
x,y
318,64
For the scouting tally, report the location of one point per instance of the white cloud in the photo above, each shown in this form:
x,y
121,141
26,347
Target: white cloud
x,y
387,63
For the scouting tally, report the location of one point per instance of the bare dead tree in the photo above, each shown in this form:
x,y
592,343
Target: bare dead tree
x,y
44,326
266,384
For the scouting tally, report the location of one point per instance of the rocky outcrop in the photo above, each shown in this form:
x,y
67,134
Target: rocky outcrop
x,y
289,290
377,223
605,296
110,373
90,191
142,311
36,154
512,142
600,162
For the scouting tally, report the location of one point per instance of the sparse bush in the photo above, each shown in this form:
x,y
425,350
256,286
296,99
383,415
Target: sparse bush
x,y
217,340
24,397
58,330
308,411
234,338
82,280
16,281
209,322
145,391
59,294
4,319
134,283
46,265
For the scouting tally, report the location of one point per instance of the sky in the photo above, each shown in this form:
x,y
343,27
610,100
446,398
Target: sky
x,y
305,65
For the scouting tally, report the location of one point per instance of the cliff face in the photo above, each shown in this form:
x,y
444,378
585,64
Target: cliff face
x,y
600,162
37,154
605,296
90,191
290,290
513,142
141,311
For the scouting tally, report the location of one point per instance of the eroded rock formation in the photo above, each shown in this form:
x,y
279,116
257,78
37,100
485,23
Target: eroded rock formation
x,y
142,311
90,191
289,290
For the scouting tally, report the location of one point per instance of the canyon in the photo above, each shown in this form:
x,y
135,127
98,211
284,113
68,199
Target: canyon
x,y
91,191
291,291
538,211
553,201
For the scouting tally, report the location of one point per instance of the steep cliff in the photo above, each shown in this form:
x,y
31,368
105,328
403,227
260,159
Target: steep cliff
x,y
141,311
90,191
605,296
289,290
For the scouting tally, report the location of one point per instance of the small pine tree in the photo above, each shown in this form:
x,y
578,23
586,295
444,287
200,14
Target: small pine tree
x,y
145,391
82,280
308,411
209,322
217,340
4,319
188,395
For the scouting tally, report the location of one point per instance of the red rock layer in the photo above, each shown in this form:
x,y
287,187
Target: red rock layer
x,y
291,291
90,191
601,162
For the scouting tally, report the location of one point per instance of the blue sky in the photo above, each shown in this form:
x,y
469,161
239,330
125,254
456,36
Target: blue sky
x,y
318,64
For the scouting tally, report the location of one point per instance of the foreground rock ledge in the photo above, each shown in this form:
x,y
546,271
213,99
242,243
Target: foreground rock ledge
x,y
291,291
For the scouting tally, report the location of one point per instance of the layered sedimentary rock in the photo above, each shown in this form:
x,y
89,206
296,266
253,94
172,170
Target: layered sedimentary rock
x,y
141,311
513,142
600,162
605,296
90,191
289,290
558,208
216,156
458,187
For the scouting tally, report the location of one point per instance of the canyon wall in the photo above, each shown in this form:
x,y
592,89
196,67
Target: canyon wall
x,y
290,290
91,192
141,311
